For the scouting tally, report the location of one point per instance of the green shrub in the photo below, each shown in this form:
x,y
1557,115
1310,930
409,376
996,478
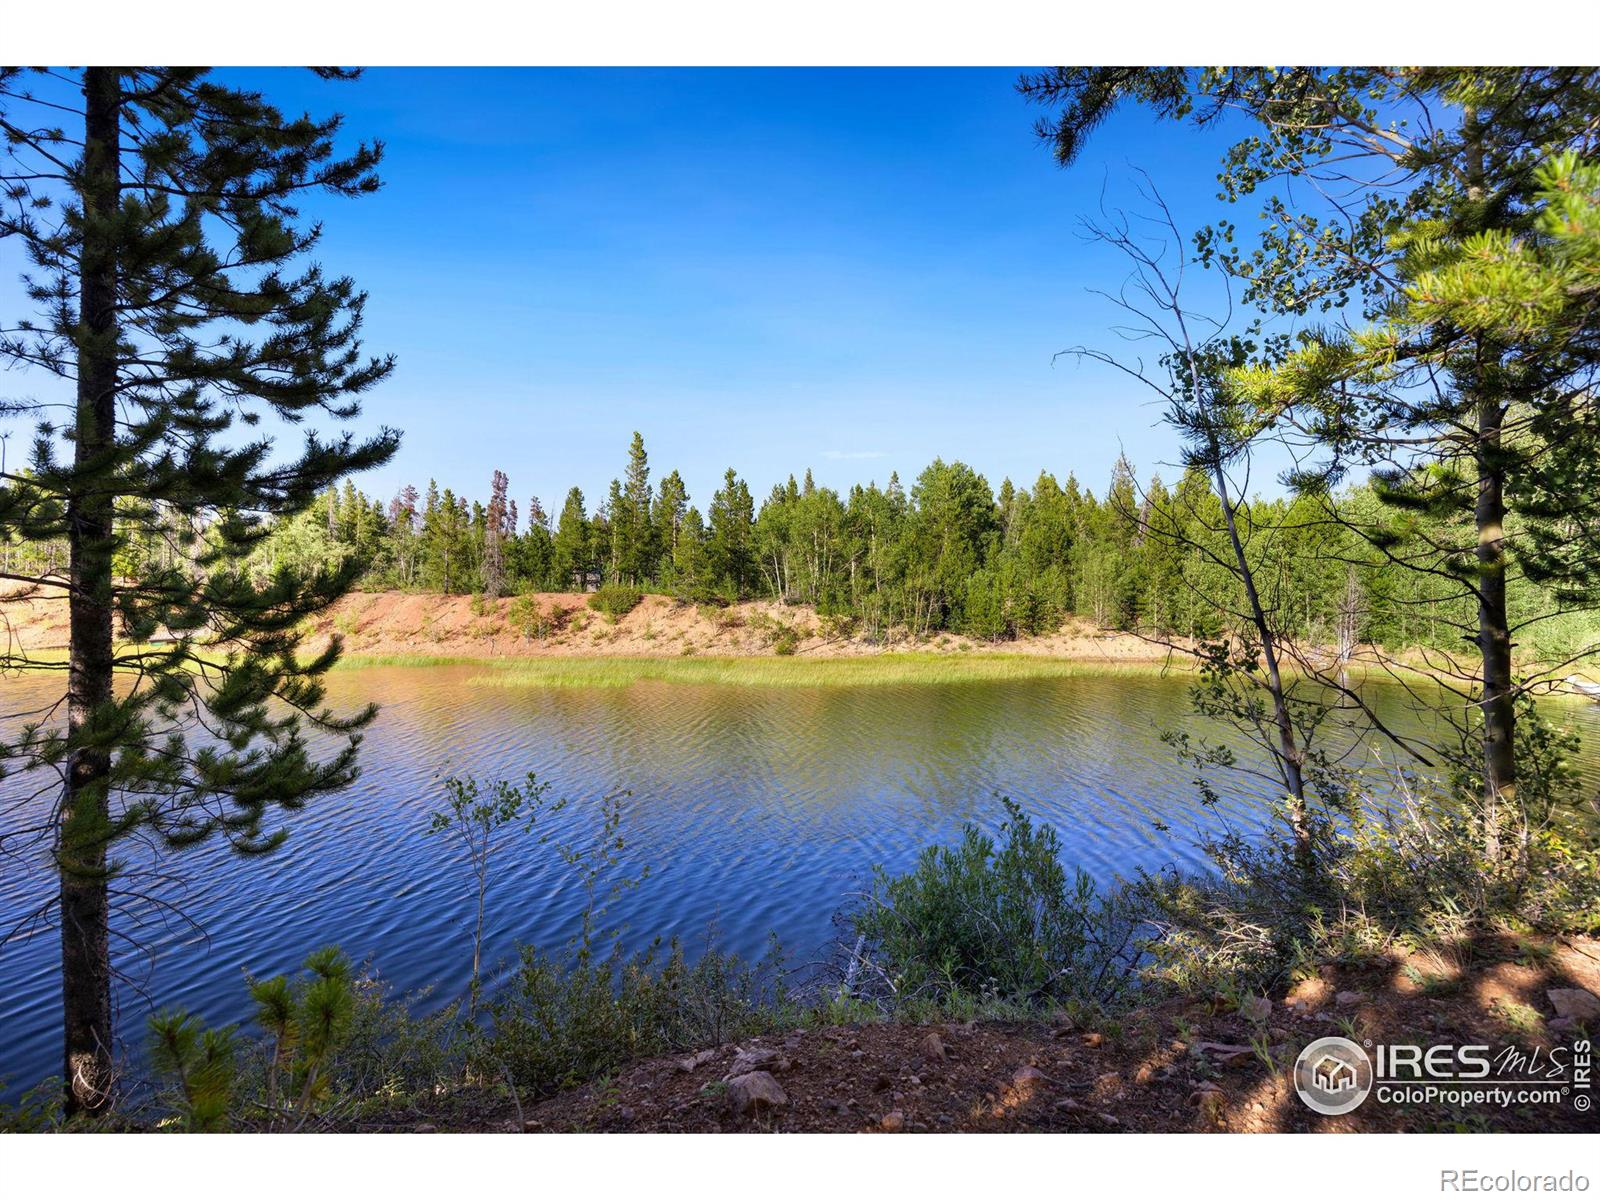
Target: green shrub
x,y
996,922
561,1022
616,600
334,1040
1410,869
534,620
38,1110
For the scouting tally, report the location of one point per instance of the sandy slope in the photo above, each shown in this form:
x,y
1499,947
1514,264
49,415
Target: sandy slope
x,y
395,623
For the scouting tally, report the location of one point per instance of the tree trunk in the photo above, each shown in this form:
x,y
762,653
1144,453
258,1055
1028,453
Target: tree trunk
x,y
84,823
1494,632
1289,754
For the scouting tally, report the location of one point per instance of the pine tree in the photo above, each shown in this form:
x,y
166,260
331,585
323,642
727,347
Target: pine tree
x,y
639,538
573,556
157,208
671,506
1454,416
730,546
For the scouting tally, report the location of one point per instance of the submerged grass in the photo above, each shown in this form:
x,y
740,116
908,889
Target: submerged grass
x,y
867,671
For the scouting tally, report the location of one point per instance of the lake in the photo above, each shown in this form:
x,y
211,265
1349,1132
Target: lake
x,y
756,811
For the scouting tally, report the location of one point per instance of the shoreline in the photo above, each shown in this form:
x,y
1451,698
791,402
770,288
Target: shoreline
x,y
663,640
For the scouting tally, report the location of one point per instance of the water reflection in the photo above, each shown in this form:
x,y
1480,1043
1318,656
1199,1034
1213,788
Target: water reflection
x,y
756,810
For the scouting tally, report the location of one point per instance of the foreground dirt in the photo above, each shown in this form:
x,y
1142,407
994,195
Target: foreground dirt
x,y
1187,1066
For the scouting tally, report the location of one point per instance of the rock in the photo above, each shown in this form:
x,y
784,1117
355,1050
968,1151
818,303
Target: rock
x,y
1346,999
756,1092
1027,1082
757,1058
882,1083
1210,1100
913,1081
532,1126
1108,1119
893,1121
932,1048
1177,1046
1063,1024
424,1129
1226,1053
1145,1075
1212,1104
1575,1004
696,1061
1094,1040
1257,1009
1110,1081
1561,1025
1068,1105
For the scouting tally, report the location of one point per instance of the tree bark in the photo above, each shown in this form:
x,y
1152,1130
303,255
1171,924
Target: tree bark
x,y
81,852
1494,632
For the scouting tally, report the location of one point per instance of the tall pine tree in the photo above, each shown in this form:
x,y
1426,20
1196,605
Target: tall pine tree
x,y
175,291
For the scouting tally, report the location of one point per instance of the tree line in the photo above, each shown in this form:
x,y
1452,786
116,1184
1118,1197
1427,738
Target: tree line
x,y
949,554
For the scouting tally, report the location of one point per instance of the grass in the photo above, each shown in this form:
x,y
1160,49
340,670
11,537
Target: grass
x,y
876,670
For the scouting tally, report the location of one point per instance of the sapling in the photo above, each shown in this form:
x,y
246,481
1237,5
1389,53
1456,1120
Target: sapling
x,y
202,1061
308,1020
478,823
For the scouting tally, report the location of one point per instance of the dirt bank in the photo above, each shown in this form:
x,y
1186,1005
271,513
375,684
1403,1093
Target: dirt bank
x,y
1196,1065
390,624
406,624
394,623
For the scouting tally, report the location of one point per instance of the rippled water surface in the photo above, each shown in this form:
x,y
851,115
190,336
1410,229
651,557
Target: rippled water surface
x,y
756,810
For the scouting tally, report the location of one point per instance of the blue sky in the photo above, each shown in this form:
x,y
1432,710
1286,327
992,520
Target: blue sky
x,y
852,271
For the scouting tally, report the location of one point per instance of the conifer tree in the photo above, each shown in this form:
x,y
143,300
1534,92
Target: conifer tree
x,y
175,290
730,547
1430,165
573,557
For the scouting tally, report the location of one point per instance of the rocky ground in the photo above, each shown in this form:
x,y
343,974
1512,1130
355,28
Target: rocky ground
x,y
1203,1065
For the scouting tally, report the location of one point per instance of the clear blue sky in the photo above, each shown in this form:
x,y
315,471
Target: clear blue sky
x,y
853,271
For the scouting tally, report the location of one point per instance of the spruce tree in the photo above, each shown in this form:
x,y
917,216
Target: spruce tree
x,y
175,291
572,544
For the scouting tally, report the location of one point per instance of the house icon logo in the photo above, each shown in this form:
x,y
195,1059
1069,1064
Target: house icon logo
x,y
1333,1076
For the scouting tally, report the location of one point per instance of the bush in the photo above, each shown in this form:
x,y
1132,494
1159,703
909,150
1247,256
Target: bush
x,y
1411,869
334,1041
534,620
999,923
561,1022
616,600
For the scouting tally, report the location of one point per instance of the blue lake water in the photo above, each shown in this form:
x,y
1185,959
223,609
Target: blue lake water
x,y
757,811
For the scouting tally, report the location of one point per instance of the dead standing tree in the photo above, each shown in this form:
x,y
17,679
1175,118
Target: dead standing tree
x,y
1243,676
